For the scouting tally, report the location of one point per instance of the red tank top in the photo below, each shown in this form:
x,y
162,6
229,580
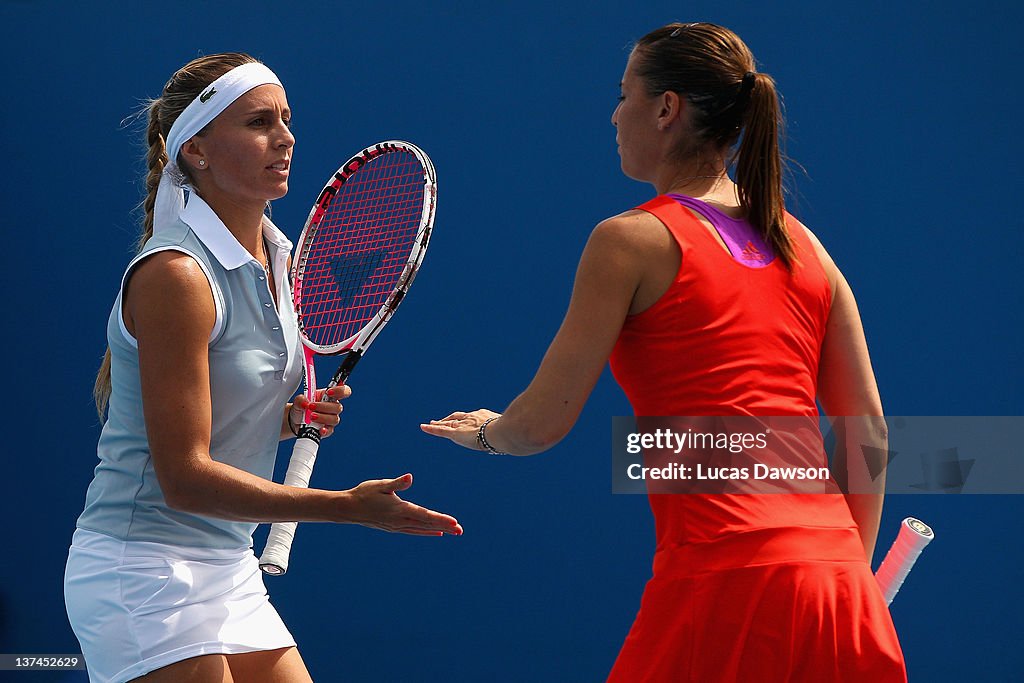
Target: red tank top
x,y
727,339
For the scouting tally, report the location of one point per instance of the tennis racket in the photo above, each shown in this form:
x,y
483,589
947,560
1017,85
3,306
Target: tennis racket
x,y
914,535
361,247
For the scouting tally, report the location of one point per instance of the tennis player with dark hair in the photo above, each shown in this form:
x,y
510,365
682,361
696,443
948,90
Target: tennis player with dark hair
x,y
711,300
204,354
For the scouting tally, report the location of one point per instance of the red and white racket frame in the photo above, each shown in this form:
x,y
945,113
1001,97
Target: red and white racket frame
x,y
274,560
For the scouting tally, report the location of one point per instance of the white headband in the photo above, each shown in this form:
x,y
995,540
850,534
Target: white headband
x,y
211,102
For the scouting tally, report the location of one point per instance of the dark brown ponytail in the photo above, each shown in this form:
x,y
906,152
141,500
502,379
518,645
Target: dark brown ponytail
x,y
714,71
759,167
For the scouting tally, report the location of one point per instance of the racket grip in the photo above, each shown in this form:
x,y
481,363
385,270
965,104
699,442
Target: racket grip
x,y
274,560
914,535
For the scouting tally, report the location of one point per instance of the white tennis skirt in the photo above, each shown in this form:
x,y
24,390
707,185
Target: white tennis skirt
x,y
136,606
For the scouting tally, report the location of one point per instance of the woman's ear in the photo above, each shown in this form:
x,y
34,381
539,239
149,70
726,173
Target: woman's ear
x,y
670,109
192,155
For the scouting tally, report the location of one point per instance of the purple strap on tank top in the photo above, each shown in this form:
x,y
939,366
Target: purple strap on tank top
x,y
744,241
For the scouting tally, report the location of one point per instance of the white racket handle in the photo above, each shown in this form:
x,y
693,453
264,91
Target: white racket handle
x,y
914,535
274,560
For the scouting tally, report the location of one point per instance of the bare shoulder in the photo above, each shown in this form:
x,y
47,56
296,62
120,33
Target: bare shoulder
x,y
633,230
169,288
170,275
171,265
629,222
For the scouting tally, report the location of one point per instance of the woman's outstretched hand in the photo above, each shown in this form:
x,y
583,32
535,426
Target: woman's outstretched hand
x,y
462,428
376,505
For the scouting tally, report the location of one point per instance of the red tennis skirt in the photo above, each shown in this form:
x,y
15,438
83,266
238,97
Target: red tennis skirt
x,y
791,604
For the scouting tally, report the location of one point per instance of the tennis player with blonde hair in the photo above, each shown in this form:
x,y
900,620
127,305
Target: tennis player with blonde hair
x,y
204,354
710,300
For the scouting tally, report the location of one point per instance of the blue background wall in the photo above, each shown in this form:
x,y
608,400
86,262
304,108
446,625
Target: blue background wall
x,y
904,115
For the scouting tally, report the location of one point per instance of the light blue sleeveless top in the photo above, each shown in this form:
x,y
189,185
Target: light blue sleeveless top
x,y
255,368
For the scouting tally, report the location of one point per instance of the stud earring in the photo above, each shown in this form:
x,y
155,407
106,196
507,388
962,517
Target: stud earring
x,y
202,162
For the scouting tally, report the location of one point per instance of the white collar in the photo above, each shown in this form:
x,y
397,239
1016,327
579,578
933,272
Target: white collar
x,y
212,232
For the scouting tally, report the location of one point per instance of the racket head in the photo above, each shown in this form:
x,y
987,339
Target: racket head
x,y
362,245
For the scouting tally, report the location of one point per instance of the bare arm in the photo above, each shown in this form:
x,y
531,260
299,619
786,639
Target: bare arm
x,y
847,388
609,273
169,309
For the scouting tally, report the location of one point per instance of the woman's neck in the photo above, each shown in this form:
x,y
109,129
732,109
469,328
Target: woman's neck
x,y
709,182
672,176
243,220
719,189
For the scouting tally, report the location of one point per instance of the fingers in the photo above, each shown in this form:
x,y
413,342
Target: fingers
x,y
461,430
337,393
400,484
418,517
460,420
383,509
326,411
332,395
457,415
390,486
437,429
447,426
327,401
419,529
423,522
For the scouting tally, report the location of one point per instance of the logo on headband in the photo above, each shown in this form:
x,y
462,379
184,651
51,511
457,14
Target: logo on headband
x,y
207,95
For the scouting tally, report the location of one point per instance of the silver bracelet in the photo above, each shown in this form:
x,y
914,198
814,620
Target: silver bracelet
x,y
481,438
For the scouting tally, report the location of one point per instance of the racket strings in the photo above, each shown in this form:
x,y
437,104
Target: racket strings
x,y
359,251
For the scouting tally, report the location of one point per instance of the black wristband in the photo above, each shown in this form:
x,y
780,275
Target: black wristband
x,y
481,438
